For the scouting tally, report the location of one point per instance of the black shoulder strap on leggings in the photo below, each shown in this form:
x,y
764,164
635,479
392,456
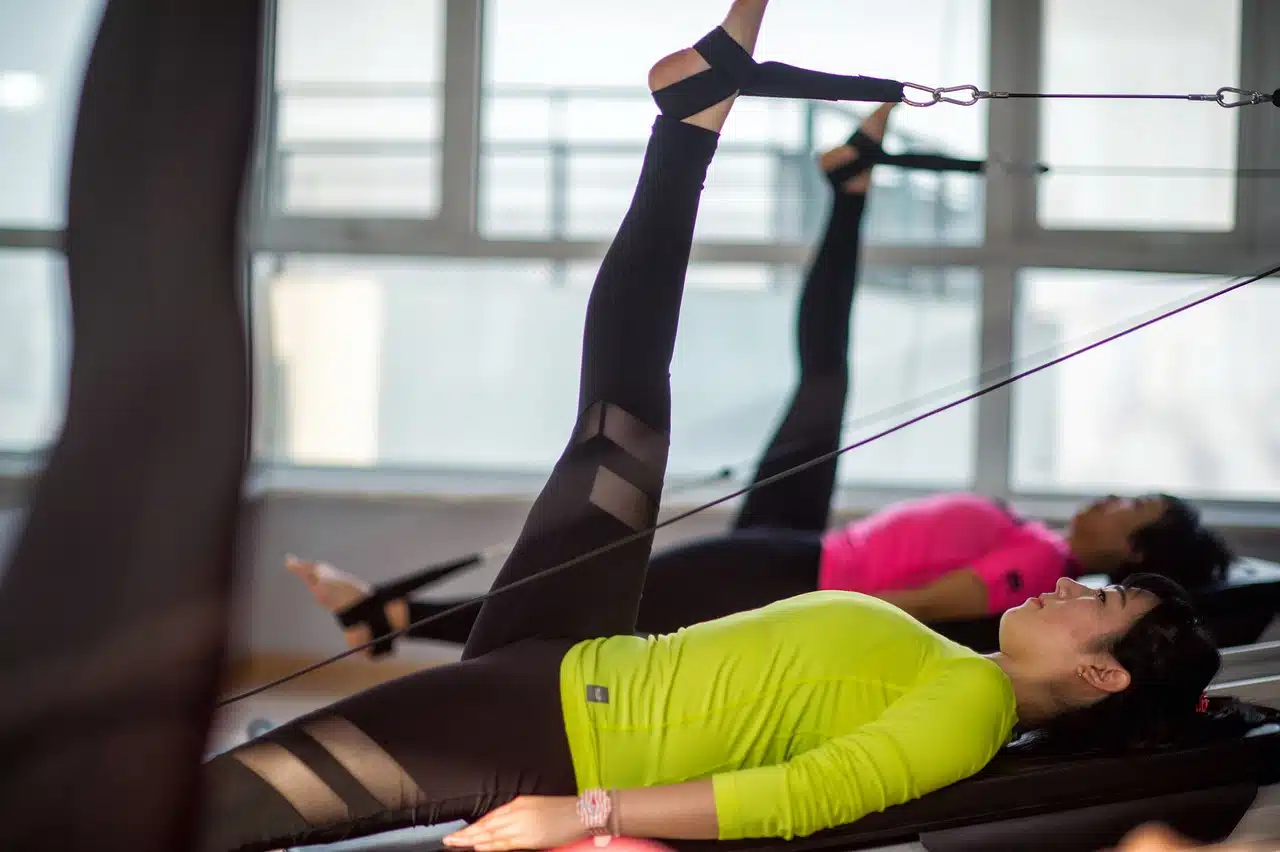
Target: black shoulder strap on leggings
x,y
113,610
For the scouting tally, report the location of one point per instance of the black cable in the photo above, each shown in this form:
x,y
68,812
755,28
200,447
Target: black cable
x,y
1095,97
434,572
625,540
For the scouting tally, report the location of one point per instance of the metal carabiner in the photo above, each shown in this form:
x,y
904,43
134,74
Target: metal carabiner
x,y
974,94
1245,97
935,95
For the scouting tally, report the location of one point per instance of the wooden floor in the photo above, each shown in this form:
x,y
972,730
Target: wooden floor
x,y
288,701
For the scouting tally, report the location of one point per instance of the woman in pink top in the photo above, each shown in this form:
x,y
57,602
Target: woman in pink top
x,y
949,556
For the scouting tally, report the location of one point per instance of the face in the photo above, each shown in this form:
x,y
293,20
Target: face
x,y
1061,636
1100,531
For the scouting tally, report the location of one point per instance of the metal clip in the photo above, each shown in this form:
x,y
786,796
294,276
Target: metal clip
x,y
973,95
1244,97
934,95
966,95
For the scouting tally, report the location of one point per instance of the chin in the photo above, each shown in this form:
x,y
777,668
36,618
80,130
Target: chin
x,y
1008,617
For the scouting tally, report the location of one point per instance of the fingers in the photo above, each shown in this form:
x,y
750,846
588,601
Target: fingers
x,y
501,830
482,830
487,835
305,570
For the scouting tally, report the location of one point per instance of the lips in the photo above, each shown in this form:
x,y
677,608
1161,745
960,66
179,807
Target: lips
x,y
1039,604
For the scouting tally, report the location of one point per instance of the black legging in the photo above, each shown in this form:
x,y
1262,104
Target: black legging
x,y
454,742
775,547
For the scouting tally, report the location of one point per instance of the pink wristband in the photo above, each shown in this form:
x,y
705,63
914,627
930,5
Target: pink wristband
x,y
594,809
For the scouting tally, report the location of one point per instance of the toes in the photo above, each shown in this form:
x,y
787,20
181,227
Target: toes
x,y
305,571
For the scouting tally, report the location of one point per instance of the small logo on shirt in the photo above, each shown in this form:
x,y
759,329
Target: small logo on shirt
x,y
1014,579
597,695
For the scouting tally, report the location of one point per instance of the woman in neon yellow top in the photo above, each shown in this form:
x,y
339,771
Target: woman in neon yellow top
x,y
782,721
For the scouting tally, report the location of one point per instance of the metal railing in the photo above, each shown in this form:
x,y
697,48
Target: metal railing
x,y
314,152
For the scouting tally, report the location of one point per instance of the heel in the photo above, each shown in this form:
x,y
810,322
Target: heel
x,y
733,71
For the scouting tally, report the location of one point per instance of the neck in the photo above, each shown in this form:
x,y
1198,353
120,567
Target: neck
x,y
1034,699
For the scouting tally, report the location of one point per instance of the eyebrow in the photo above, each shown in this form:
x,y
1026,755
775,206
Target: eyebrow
x,y
1124,596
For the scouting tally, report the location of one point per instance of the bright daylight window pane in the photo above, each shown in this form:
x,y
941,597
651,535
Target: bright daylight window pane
x,y
564,131
473,365
34,348
1155,46
43,47
359,107
1185,405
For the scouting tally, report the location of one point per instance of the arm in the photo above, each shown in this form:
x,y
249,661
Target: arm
x,y
673,812
941,732
993,582
958,594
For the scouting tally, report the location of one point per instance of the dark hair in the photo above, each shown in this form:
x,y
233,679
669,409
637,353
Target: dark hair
x,y
1178,546
1170,659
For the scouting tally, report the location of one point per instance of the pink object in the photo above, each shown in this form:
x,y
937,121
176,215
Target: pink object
x,y
615,844
916,542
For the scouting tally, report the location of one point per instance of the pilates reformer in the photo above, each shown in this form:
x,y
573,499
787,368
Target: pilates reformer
x,y
1077,804
1067,805
1196,790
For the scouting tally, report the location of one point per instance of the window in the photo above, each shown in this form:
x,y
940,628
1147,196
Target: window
x,y
564,130
1155,46
34,350
1186,405
358,107
915,348
473,365
43,48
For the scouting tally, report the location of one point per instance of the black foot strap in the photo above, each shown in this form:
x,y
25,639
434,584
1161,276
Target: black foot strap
x,y
372,610
734,71
870,153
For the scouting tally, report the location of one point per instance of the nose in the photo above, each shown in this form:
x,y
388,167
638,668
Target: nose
x,y
1068,588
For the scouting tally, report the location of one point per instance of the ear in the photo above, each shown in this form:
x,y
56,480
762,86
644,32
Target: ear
x,y
1105,675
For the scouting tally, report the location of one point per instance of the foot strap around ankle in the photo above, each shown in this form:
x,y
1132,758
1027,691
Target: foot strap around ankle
x,y
871,153
734,71
372,610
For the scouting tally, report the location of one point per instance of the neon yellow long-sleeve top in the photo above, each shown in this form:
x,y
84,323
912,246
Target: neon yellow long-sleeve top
x,y
806,714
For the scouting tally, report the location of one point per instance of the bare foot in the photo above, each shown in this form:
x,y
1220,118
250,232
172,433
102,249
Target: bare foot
x,y
743,25
337,590
874,125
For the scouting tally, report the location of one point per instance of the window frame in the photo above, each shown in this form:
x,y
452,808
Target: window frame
x,y
1013,240
457,169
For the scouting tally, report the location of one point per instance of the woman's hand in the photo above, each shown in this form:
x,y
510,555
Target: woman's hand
x,y
527,822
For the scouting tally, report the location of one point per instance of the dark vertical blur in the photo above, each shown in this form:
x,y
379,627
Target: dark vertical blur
x,y
113,610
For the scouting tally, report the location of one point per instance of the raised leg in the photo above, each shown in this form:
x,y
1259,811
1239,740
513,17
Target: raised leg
x,y
812,424
608,481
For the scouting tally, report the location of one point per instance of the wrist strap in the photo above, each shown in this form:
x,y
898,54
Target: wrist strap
x,y
595,807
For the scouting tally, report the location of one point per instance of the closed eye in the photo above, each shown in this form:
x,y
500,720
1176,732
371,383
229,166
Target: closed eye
x,y
1102,596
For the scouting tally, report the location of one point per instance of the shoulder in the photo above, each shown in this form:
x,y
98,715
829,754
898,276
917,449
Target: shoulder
x,y
1044,554
981,701
1034,534
981,678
